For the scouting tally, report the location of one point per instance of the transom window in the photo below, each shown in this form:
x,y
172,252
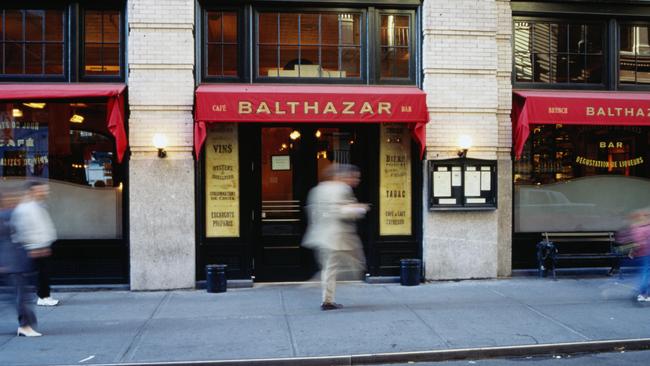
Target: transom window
x,y
634,54
559,52
102,34
309,45
32,42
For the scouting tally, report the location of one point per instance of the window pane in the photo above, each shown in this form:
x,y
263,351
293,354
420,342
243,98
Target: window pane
x,y
523,37
330,29
215,23
33,58
558,40
111,27
14,26
541,38
93,26
643,70
402,63
594,69
560,69
402,30
34,25
230,27
542,68
288,61
310,66
309,33
54,59
111,58
351,61
350,29
268,61
268,28
523,67
14,58
576,39
54,25
577,70
230,60
288,29
93,58
214,60
594,37
330,61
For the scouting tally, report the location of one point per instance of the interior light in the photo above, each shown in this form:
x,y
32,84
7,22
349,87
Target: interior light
x,y
77,118
294,135
16,112
318,134
35,105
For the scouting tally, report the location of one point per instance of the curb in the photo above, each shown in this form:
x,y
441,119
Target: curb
x,y
424,356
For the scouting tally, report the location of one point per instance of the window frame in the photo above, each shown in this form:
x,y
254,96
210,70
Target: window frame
x,y
241,45
606,68
81,44
363,46
411,79
66,44
616,67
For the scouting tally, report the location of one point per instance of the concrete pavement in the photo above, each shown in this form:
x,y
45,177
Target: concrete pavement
x,y
284,321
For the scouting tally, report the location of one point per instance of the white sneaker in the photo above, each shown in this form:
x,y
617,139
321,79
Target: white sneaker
x,y
47,301
641,298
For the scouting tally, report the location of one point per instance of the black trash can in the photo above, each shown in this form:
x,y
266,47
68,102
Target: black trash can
x,y
410,270
215,278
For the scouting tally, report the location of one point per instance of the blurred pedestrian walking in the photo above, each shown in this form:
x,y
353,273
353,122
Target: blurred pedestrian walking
x,y
332,211
17,268
640,233
34,229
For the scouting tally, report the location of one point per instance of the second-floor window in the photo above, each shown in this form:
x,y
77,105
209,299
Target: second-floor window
x,y
221,47
395,46
558,52
309,45
102,34
634,54
32,42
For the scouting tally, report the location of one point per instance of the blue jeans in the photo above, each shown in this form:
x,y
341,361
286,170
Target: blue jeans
x,y
645,275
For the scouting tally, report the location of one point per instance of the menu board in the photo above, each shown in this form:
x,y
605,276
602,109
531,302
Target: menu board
x,y
395,194
222,181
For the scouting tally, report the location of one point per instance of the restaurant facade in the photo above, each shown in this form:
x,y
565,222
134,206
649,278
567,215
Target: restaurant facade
x,y
248,102
580,118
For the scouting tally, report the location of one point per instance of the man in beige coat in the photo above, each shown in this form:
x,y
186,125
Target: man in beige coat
x,y
332,212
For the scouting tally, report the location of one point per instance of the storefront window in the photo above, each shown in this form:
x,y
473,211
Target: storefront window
x,y
221,48
102,34
309,45
634,54
556,52
31,42
395,46
581,178
69,146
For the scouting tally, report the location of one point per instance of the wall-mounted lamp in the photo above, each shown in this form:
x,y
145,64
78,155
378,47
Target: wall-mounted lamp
x,y
464,143
294,135
160,143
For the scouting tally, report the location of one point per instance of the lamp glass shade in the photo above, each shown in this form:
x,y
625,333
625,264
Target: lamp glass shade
x,y
160,141
465,142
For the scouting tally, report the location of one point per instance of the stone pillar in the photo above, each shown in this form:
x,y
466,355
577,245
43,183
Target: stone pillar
x,y
465,80
161,97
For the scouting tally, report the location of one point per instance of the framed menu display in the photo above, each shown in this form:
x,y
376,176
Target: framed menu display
x,y
462,184
395,195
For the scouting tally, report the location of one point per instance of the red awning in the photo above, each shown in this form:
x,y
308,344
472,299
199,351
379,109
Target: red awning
x,y
531,107
309,104
114,93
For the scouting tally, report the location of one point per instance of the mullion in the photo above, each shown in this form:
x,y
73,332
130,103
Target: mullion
x,y
43,45
23,40
277,64
320,46
339,48
222,44
3,41
299,48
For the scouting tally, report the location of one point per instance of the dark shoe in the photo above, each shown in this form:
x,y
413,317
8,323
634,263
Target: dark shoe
x,y
330,306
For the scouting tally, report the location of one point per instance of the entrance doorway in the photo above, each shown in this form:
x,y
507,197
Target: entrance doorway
x,y
292,160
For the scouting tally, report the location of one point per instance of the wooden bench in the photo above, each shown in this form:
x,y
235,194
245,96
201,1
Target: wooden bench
x,y
556,246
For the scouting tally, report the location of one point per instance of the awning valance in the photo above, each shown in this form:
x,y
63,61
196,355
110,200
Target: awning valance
x,y
266,103
531,107
114,93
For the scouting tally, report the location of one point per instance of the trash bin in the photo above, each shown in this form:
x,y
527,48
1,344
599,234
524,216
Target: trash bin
x,y
410,272
215,278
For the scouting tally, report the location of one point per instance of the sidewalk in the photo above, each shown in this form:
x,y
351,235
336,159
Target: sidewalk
x,y
272,321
